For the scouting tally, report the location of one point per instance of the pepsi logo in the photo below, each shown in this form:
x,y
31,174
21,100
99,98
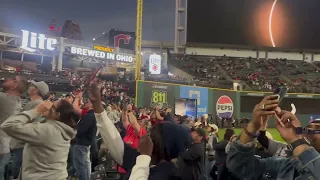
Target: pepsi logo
x,y
224,107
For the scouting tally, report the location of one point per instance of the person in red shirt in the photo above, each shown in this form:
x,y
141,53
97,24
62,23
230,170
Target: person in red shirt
x,y
155,116
135,130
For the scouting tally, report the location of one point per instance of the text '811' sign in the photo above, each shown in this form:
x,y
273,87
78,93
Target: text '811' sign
x,y
155,64
160,95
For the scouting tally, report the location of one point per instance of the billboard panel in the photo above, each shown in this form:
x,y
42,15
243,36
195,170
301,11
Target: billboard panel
x,y
122,39
199,93
157,94
187,107
225,104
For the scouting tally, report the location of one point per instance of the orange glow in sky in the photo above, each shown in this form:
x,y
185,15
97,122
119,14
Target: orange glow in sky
x,y
260,31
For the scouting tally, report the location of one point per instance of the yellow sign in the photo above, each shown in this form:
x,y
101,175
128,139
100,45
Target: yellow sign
x,y
159,98
105,49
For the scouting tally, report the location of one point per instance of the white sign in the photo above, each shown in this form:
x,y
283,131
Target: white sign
x,y
101,54
155,64
32,41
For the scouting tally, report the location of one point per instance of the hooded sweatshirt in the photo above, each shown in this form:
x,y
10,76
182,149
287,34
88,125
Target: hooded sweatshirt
x,y
47,145
9,105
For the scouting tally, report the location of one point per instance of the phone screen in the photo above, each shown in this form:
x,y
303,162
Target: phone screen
x,y
281,91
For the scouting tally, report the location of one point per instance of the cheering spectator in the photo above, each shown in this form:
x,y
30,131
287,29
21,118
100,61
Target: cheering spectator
x,y
155,115
113,113
134,129
47,144
86,134
10,104
37,91
273,148
221,156
169,140
212,141
191,162
243,164
69,98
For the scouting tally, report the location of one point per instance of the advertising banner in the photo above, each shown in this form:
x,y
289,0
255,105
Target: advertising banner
x,y
155,64
122,39
156,94
198,93
225,104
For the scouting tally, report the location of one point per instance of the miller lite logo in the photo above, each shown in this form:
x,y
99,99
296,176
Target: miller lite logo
x,y
126,39
155,64
31,41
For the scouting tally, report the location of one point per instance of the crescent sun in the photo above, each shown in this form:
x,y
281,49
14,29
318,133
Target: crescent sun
x,y
270,22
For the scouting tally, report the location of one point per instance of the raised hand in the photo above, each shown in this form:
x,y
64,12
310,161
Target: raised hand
x,y
95,97
94,93
265,108
44,107
286,125
146,145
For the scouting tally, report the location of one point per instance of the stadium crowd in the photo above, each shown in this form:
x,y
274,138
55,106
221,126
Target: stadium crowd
x,y
98,131
257,74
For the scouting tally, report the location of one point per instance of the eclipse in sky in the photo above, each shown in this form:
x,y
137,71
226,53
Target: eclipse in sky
x,y
270,22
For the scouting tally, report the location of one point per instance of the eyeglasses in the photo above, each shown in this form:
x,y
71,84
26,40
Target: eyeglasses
x,y
305,130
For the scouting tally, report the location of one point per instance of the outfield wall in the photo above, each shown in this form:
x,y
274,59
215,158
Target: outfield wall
x,y
221,101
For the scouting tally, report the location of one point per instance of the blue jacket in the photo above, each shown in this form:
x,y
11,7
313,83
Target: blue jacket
x,y
243,164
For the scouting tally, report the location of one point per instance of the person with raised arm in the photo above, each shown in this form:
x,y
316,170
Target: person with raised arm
x,y
169,141
47,144
243,164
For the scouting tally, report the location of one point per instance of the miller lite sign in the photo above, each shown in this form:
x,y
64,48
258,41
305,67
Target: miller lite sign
x,y
155,64
31,41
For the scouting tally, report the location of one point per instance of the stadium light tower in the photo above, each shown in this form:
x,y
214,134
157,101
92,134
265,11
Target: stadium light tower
x,y
138,38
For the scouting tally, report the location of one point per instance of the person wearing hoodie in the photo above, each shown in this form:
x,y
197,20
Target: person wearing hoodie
x,y
10,104
169,141
37,91
47,144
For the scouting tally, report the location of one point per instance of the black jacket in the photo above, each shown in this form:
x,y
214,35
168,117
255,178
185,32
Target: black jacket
x,y
86,129
191,162
221,155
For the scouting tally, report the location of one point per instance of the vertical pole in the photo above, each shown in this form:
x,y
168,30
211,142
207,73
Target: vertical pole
x,y
60,54
176,26
138,39
41,59
54,62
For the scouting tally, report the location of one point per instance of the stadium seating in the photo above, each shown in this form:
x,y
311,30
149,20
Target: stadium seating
x,y
256,74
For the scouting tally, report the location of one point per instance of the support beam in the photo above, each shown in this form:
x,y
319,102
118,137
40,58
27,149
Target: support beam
x,y
138,38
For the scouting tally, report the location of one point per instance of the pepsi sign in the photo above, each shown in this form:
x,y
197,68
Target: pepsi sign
x,y
224,107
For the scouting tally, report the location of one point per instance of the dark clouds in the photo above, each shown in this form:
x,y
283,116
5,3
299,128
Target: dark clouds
x,y
94,16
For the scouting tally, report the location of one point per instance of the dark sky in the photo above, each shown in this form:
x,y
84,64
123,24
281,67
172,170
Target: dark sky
x,y
94,16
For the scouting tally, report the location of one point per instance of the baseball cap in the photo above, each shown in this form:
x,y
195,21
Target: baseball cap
x,y
41,86
201,133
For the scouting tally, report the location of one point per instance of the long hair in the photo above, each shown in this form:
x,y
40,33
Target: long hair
x,y
159,152
67,114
